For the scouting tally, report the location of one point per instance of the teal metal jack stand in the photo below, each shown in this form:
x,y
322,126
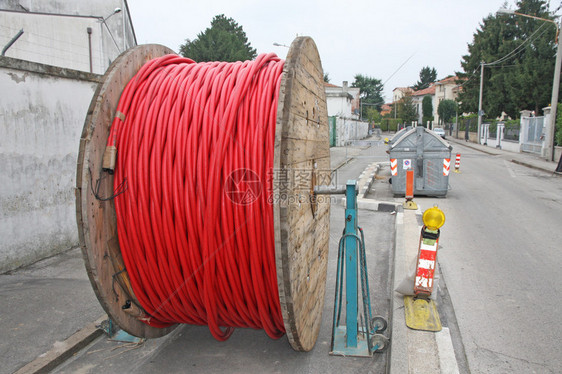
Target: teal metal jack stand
x,y
116,334
360,336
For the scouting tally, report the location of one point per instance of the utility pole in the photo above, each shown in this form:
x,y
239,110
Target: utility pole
x,y
480,100
548,148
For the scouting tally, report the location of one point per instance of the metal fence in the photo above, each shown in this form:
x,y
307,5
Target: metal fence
x,y
511,131
532,131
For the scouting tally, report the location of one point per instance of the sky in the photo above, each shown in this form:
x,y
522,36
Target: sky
x,y
369,37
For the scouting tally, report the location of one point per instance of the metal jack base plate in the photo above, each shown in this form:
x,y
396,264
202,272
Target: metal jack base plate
x,y
410,204
116,334
122,336
421,314
339,347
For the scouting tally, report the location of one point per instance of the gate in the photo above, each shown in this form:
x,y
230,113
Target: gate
x,y
532,134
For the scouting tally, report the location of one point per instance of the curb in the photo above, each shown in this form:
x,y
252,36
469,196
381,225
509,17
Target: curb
x,y
63,351
365,183
343,163
534,167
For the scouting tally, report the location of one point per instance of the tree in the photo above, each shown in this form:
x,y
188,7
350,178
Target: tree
x,y
446,109
373,115
370,92
520,53
427,109
427,76
327,77
225,40
407,109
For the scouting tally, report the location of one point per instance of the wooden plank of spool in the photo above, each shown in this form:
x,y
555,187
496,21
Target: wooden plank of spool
x,y
301,230
97,225
301,233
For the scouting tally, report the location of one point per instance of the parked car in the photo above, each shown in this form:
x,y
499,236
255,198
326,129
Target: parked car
x,y
439,131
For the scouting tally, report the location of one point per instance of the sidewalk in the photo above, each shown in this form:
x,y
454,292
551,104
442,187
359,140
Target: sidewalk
x,y
522,158
339,156
43,305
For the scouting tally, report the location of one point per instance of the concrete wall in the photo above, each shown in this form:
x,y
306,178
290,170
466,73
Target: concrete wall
x,y
508,145
338,104
42,112
347,129
55,32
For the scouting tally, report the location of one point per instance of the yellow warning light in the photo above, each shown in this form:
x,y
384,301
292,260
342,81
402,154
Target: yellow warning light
x,y
433,218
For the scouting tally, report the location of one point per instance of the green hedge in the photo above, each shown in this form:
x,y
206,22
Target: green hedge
x,y
470,121
390,124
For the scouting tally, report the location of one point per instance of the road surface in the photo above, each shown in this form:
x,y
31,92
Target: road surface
x,y
501,255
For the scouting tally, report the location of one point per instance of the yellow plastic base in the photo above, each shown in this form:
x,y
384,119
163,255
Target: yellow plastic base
x,y
411,205
421,314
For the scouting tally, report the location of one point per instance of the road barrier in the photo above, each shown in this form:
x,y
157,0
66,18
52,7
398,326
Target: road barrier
x,y
458,163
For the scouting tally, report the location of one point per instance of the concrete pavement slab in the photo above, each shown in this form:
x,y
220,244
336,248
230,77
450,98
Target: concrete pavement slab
x,y
42,305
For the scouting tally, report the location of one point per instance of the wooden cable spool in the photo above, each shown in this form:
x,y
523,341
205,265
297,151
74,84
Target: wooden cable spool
x,y
301,222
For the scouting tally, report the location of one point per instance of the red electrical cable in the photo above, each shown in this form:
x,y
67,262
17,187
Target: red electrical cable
x,y
195,224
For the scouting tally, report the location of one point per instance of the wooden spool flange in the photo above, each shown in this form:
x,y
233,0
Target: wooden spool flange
x,y
301,160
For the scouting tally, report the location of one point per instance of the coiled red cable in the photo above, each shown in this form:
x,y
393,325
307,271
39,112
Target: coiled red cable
x,y
195,224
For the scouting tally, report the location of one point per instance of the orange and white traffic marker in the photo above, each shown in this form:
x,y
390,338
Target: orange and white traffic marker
x,y
458,163
394,167
446,166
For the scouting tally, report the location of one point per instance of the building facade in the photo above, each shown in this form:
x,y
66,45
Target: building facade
x,y
343,101
79,35
444,89
48,76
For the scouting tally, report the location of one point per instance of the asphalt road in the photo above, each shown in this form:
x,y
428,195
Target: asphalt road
x,y
500,256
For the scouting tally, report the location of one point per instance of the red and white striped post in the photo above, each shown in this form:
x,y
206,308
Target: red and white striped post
x,y
458,163
433,219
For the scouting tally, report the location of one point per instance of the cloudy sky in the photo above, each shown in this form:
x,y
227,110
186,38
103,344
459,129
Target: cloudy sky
x,y
370,37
